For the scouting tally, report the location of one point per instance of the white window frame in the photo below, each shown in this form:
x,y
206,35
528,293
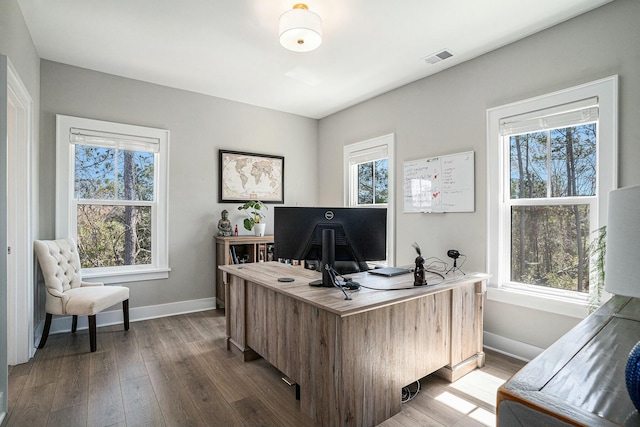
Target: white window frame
x,y
378,144
66,206
569,303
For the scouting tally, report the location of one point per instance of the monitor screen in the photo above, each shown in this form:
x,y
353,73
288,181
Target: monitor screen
x,y
360,235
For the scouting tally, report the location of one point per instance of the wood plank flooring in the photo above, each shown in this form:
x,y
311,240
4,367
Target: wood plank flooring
x,y
176,371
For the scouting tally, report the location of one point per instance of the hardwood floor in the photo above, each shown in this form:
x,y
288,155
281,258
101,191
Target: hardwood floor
x,y
176,371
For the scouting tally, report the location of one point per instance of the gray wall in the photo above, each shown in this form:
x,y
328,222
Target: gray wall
x,y
446,113
199,125
16,45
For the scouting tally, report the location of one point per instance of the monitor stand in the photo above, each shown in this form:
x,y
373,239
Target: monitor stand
x,y
328,258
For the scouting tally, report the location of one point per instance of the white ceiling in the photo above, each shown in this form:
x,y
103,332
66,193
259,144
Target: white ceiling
x,y
230,48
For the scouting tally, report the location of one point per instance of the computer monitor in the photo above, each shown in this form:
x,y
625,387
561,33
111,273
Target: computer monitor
x,y
345,238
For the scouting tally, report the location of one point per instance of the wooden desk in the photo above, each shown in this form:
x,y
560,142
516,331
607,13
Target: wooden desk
x,y
580,379
352,358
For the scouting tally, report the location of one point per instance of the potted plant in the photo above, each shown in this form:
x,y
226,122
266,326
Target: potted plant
x,y
253,209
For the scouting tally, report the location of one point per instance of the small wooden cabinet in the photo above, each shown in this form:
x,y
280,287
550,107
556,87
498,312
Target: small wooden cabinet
x,y
239,249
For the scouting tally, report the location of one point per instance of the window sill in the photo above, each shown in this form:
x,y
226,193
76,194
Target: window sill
x,y
133,275
552,304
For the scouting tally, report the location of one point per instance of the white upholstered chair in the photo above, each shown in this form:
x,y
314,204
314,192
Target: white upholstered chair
x,y
67,294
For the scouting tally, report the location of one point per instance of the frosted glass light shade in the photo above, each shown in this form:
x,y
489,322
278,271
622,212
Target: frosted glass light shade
x,y
623,242
300,29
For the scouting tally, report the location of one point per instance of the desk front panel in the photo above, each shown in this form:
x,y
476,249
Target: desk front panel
x,y
386,349
350,369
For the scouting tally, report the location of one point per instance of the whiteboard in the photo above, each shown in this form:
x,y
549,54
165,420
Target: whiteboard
x,y
439,184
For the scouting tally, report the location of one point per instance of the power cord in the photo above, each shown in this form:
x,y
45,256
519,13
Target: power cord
x,y
408,394
435,264
342,284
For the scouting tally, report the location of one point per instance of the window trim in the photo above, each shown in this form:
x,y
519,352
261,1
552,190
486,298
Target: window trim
x,y
388,140
556,301
65,222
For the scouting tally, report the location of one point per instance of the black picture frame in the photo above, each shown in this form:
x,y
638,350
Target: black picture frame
x,y
262,178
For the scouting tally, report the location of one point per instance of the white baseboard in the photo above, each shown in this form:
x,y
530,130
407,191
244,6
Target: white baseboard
x,y
61,324
513,348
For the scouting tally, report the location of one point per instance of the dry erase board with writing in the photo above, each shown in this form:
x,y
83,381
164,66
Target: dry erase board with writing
x,y
439,184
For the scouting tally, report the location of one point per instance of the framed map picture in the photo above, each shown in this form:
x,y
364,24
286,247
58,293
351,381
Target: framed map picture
x,y
250,176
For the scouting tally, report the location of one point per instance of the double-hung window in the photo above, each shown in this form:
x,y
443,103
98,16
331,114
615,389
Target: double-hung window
x,y
112,197
369,176
368,179
552,162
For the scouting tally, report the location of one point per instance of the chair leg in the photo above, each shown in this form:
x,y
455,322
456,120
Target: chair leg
x,y
74,324
92,332
125,312
45,330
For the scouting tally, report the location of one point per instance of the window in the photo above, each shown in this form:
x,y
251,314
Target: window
x,y
112,186
368,179
552,162
368,173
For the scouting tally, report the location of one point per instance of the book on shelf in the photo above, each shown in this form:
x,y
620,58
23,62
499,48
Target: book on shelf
x,y
234,256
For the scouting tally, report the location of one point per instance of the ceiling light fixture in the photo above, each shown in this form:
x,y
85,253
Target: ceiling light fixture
x,y
300,29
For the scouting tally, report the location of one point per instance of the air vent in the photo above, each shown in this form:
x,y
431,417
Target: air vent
x,y
437,57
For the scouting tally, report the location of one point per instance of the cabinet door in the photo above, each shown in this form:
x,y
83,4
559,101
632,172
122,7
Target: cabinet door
x,y
236,315
466,332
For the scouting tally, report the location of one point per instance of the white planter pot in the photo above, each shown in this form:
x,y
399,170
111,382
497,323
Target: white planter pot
x,y
259,228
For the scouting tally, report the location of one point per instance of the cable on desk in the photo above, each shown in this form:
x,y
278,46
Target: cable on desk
x,y
434,272
347,284
436,264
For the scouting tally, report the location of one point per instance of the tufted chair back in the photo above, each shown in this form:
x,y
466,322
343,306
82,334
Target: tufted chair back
x,y
60,263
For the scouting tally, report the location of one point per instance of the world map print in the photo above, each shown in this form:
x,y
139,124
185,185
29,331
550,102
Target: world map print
x,y
250,177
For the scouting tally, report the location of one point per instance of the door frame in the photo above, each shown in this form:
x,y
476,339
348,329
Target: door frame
x,y
20,217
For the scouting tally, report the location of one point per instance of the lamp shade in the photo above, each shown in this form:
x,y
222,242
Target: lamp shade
x,y
300,29
623,242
